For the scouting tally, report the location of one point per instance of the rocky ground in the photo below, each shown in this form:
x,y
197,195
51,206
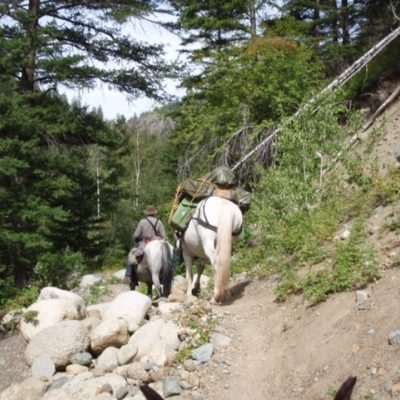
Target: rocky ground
x,y
290,350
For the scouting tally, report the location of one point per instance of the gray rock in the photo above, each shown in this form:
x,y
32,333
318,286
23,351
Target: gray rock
x,y
220,341
58,383
31,388
189,365
121,392
148,366
43,366
171,386
126,353
106,387
203,353
361,297
108,359
84,358
136,371
59,342
394,338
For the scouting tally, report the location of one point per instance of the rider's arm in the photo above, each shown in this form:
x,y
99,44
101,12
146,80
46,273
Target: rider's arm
x,y
161,231
138,234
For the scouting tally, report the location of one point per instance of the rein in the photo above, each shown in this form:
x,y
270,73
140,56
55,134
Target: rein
x,y
207,225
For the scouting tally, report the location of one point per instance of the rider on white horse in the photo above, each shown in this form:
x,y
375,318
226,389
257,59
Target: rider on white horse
x,y
148,228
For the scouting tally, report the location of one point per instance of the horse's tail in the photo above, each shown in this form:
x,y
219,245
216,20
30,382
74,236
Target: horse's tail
x,y
223,252
167,268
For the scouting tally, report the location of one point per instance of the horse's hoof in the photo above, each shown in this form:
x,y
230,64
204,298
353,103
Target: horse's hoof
x,y
215,301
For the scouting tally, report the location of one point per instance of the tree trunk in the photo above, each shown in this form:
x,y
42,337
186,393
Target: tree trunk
x,y
253,21
334,23
345,23
137,163
98,189
19,270
28,68
317,19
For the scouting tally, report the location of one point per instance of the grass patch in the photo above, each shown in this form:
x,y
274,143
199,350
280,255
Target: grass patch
x,y
197,323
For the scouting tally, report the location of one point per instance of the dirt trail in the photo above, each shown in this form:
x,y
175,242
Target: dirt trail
x,y
291,351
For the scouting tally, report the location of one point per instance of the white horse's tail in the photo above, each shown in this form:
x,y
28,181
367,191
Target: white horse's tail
x,y
167,268
223,252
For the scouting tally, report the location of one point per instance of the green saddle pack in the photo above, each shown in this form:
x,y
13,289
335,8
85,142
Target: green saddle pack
x,y
181,217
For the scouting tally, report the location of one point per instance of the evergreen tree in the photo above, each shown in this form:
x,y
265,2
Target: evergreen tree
x,y
48,201
212,24
45,43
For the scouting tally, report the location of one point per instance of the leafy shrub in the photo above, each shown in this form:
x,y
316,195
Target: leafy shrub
x,y
54,269
22,298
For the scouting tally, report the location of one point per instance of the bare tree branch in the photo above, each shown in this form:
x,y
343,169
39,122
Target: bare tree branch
x,y
394,11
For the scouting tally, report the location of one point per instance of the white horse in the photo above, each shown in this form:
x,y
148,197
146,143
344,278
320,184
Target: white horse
x,y
157,267
210,235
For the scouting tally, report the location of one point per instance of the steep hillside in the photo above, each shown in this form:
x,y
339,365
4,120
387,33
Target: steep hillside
x,y
294,351
291,350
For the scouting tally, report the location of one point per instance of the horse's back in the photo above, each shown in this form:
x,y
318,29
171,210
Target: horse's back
x,y
212,212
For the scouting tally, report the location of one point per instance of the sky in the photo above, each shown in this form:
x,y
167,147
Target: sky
x,y
113,102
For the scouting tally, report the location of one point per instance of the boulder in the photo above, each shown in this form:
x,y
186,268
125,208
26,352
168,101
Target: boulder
x,y
119,274
90,280
59,342
107,360
157,340
50,292
126,354
97,310
90,389
46,313
112,332
31,388
131,306
43,367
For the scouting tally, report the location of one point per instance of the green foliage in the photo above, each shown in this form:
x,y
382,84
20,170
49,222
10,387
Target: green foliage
x,y
198,324
30,317
61,42
212,22
96,291
387,188
48,200
20,298
384,65
259,83
59,269
295,215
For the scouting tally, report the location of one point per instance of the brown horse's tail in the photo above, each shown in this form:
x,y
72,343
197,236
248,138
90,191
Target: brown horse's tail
x,y
223,252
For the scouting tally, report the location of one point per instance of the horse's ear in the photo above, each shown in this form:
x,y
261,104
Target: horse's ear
x,y
344,393
150,393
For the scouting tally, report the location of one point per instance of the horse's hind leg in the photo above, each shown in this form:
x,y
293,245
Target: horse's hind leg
x,y
189,272
200,270
149,289
157,284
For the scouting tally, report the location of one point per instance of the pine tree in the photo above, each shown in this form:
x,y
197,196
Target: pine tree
x,y
75,43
